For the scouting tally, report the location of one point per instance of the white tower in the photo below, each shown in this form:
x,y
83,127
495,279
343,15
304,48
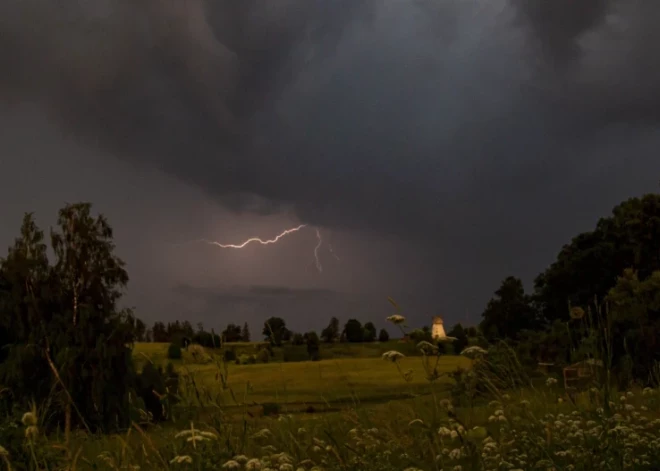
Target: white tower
x,y
438,329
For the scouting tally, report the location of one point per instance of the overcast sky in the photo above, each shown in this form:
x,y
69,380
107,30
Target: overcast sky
x,y
438,145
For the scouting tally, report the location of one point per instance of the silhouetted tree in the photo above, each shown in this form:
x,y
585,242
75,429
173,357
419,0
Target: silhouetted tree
x,y
383,336
232,333
64,318
245,333
509,312
369,332
589,266
461,338
140,330
159,333
353,331
275,331
331,332
313,342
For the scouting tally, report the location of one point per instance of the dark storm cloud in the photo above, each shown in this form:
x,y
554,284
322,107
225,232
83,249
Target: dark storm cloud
x,y
401,116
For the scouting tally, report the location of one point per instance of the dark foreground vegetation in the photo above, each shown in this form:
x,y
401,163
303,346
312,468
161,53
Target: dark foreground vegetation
x,y
70,376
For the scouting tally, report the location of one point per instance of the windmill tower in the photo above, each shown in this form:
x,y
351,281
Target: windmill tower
x,y
438,329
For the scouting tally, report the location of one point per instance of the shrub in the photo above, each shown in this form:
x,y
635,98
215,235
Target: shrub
x,y
271,408
229,355
198,353
262,356
174,352
383,336
294,353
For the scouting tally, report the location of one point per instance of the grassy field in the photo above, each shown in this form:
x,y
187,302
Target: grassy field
x,y
370,415
325,384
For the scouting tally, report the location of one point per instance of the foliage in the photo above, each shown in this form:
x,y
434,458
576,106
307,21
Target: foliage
x,y
353,331
635,311
207,339
275,331
245,333
331,332
174,351
369,332
229,355
461,341
232,333
509,312
312,341
590,264
60,326
297,339
383,335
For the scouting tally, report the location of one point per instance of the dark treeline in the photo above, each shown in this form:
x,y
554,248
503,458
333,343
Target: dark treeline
x,y
602,294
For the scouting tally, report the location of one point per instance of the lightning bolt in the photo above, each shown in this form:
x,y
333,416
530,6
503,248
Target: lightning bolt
x,y
256,239
333,252
319,267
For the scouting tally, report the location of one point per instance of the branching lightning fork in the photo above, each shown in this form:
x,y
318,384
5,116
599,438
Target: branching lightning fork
x,y
257,239
276,239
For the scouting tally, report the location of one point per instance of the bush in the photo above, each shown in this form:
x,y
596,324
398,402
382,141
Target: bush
x,y
271,408
383,336
297,339
262,356
294,353
165,384
198,354
229,355
245,359
174,352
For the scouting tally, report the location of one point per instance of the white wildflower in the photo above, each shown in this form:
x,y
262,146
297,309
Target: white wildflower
x,y
396,319
393,355
179,459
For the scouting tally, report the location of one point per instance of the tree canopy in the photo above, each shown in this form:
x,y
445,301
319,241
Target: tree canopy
x,y
60,324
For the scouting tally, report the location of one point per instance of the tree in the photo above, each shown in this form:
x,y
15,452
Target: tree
x,y
353,331
159,333
635,323
461,338
232,333
187,329
97,336
297,339
60,325
509,312
383,336
313,342
275,331
369,332
331,332
588,267
140,330
245,333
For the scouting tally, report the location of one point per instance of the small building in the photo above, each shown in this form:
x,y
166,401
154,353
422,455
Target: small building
x,y
438,329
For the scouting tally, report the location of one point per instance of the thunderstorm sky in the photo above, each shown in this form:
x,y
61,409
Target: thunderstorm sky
x,y
438,145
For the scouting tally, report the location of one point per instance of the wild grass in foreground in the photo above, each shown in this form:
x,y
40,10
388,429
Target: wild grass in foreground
x,y
494,418
518,429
